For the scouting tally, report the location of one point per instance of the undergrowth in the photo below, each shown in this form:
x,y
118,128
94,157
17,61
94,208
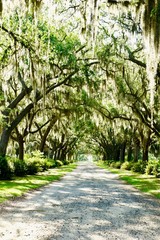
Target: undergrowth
x,y
18,186
146,183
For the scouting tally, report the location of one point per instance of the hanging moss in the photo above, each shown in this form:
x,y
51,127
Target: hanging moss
x,y
152,20
33,5
156,16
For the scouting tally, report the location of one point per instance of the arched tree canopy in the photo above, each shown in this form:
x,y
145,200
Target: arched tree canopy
x,y
80,77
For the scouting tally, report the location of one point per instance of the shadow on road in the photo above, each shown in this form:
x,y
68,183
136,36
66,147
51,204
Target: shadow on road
x,y
90,204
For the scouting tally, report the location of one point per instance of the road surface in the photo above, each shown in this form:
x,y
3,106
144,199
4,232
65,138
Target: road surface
x,y
87,204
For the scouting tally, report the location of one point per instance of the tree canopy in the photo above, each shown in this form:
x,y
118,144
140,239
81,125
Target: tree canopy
x,y
80,77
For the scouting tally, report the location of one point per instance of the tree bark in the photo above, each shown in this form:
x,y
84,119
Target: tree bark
x,y
21,147
129,154
44,138
4,141
136,149
122,151
7,130
145,154
146,144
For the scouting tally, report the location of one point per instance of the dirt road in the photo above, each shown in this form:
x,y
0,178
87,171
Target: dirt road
x,y
87,204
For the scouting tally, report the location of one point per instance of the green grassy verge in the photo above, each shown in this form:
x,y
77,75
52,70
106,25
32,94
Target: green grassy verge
x,y
20,185
145,183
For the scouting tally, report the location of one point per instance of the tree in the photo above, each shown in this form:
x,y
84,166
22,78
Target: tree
x,y
35,77
91,66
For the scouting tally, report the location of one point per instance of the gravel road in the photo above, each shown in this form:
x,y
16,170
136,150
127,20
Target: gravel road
x,y
87,204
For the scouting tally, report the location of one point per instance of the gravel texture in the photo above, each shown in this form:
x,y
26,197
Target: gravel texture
x,y
87,204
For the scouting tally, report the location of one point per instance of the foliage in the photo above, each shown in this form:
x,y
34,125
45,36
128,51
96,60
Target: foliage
x,y
98,92
127,165
116,164
51,162
31,165
144,183
59,163
37,154
6,171
66,162
72,161
139,166
20,185
20,167
36,164
153,168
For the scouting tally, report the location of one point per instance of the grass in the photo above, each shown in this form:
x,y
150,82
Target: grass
x,y
145,183
20,185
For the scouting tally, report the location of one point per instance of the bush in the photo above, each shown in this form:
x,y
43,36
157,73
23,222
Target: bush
x,y
139,166
71,161
156,169
66,162
127,165
107,162
59,163
32,166
51,163
116,164
153,168
36,164
149,167
6,172
45,164
37,154
20,168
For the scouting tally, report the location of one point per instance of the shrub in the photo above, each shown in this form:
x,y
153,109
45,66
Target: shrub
x,y
139,166
153,168
66,162
112,164
151,157
116,164
156,169
107,162
32,166
51,163
37,154
71,161
45,164
149,167
59,163
36,164
127,165
20,167
27,156
6,172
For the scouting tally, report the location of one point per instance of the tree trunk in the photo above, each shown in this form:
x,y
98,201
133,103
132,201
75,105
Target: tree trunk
x,y
7,132
21,147
129,154
145,140
44,138
136,149
4,141
122,151
146,144
116,154
145,154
